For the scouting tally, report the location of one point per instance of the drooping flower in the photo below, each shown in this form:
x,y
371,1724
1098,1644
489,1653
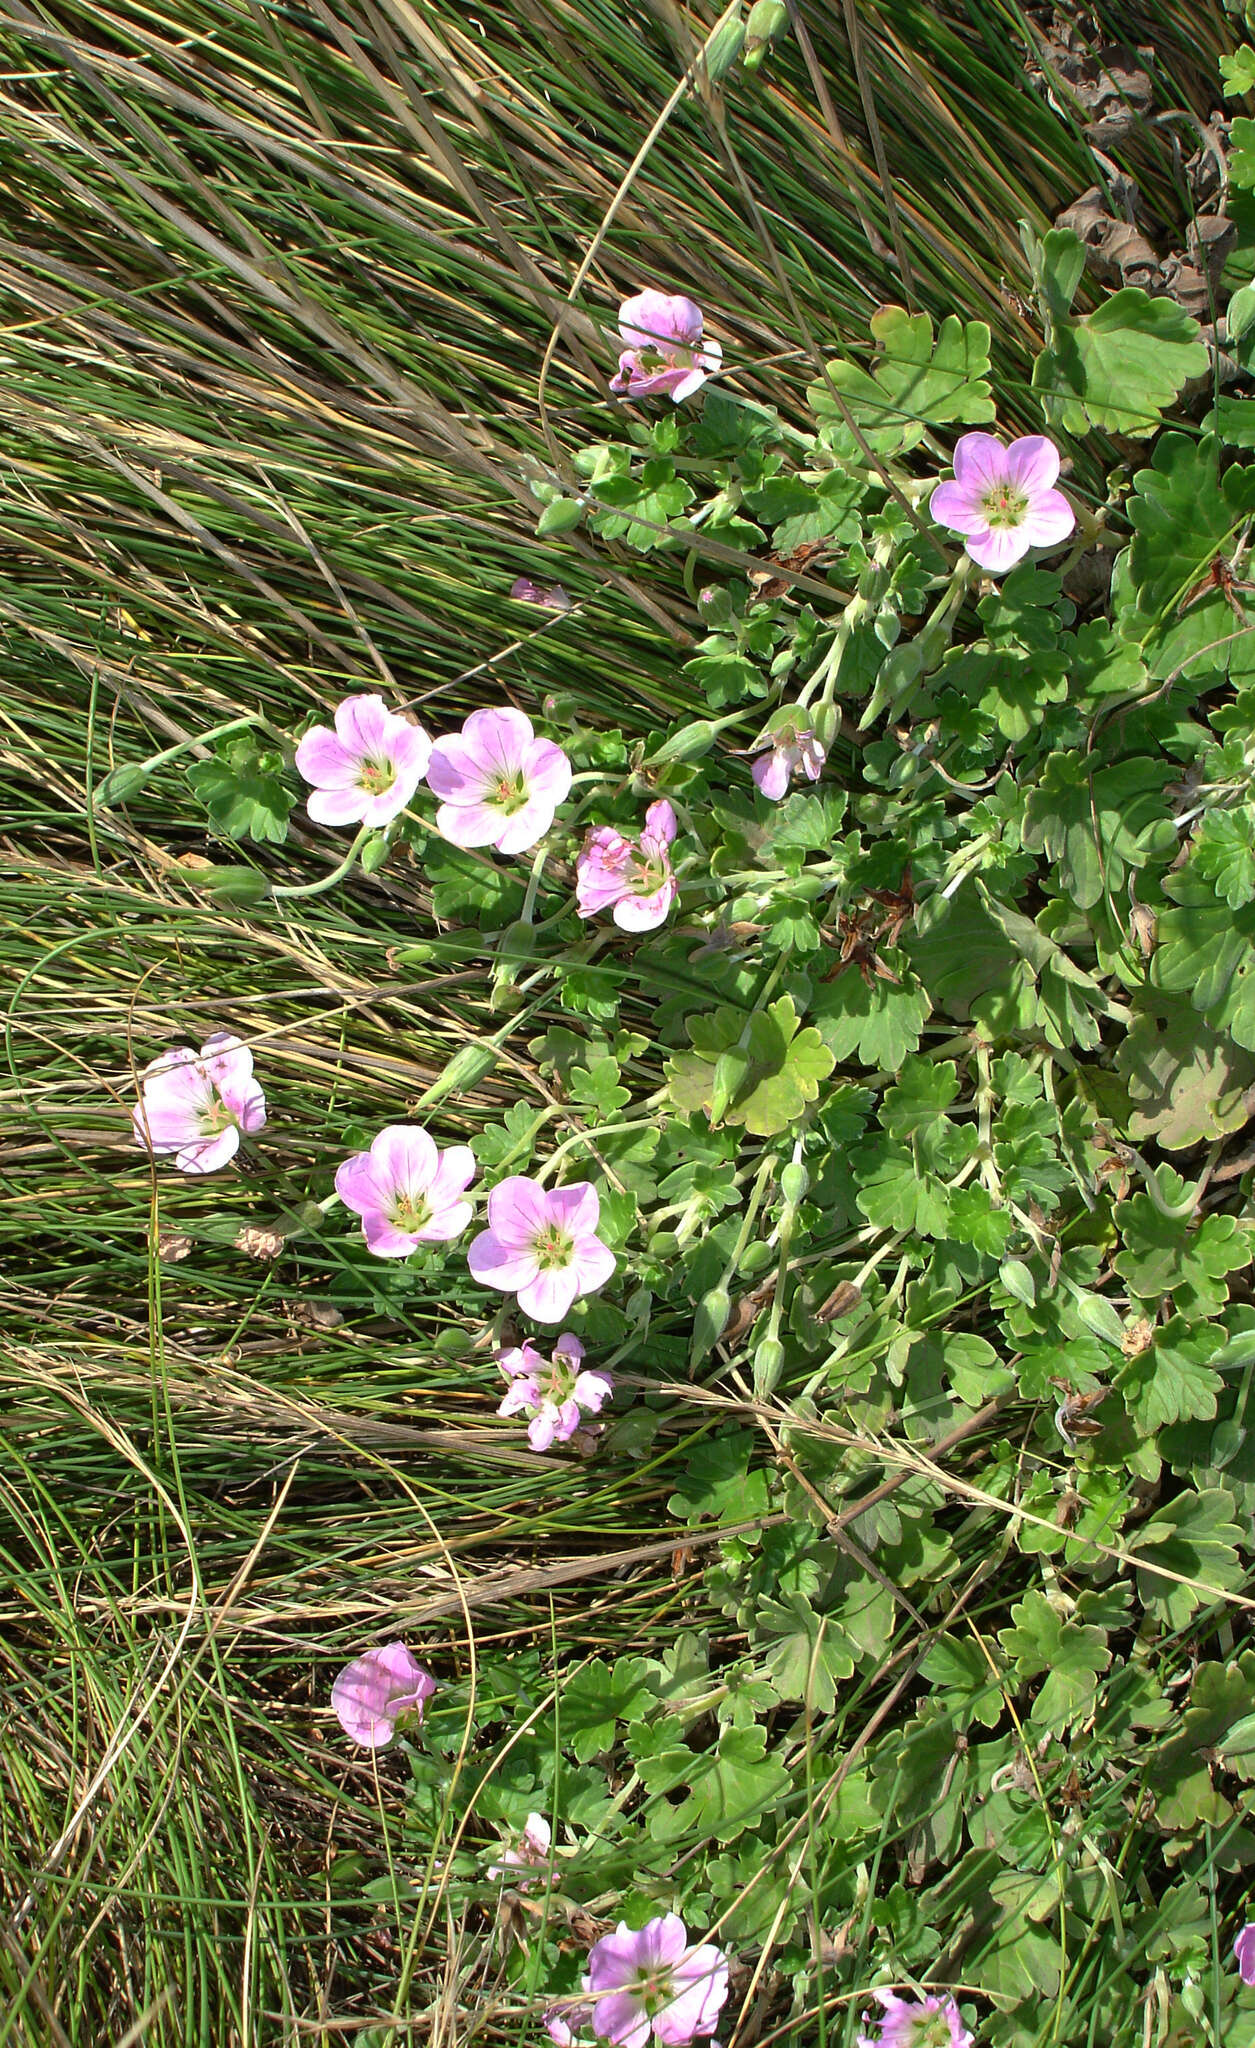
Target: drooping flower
x,y
498,784
633,875
196,1104
792,749
542,1244
1003,499
915,2023
565,2023
551,597
528,1855
367,769
1244,1950
663,348
555,1393
377,1690
651,1981
407,1192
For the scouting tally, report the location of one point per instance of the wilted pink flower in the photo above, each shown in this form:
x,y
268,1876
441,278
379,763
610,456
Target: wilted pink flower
x,y
653,1982
542,1244
1003,500
498,784
633,875
530,1854
915,2023
367,769
1244,1950
793,749
555,1392
196,1104
565,2023
406,1192
550,597
662,347
373,1693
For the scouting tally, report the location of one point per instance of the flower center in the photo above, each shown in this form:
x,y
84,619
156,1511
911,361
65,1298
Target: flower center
x,y
376,776
651,873
553,1248
930,2030
410,1212
509,792
653,1989
216,1116
1003,505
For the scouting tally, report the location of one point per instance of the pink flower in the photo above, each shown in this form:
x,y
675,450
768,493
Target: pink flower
x,y
196,1104
916,2023
793,748
531,1853
375,1690
498,784
662,347
652,1981
550,597
1002,499
406,1192
541,1244
1244,1950
634,876
555,1393
564,2023
367,769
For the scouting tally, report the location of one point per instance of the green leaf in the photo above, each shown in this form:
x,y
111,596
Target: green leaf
x,y
1125,802
1118,367
912,385
1163,1254
1183,513
875,1022
595,1698
893,1193
806,1655
1238,71
1206,951
1073,1653
718,1482
726,1786
1196,1537
242,789
1224,851
765,1083
1172,1380
1187,1083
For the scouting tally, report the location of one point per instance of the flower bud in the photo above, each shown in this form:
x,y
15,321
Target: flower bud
x,y
768,1366
561,516
724,45
794,1181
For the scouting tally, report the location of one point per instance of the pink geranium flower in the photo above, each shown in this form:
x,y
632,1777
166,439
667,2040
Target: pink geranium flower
x,y
792,749
529,1854
1244,1950
632,875
367,769
915,2023
651,1981
406,1192
663,348
376,1690
1002,499
196,1104
555,1393
542,1244
498,784
551,597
